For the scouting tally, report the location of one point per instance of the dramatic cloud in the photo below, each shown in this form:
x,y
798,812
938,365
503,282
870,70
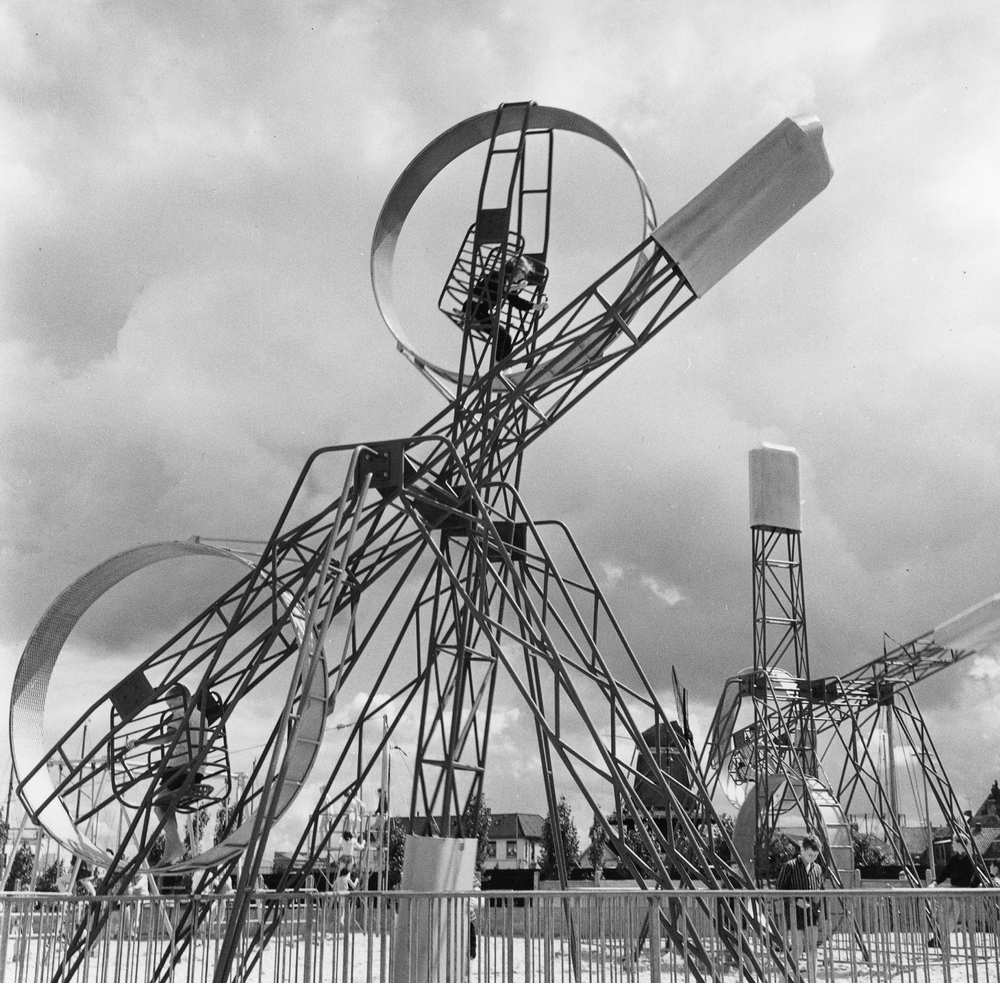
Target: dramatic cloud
x,y
187,196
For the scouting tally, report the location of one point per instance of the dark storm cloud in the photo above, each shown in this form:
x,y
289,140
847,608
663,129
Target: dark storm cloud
x,y
188,198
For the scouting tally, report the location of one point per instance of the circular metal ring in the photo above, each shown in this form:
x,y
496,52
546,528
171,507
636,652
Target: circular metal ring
x,y
437,155
30,690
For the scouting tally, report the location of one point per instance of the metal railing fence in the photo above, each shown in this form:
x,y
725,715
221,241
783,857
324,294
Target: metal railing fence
x,y
596,936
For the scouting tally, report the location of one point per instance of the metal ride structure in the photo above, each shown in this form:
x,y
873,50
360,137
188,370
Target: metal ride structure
x,y
775,756
856,709
427,574
119,777
804,726
118,771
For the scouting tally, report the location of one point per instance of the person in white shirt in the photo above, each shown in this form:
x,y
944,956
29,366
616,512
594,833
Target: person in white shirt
x,y
343,884
182,734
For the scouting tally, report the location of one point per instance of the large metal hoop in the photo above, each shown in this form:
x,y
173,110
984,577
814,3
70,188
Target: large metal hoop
x,y
30,690
437,155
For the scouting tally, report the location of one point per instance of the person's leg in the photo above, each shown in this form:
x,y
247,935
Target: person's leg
x,y
796,946
950,918
504,344
810,943
173,849
963,920
942,927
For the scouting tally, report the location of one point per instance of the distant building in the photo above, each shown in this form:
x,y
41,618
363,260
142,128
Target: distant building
x,y
610,860
915,841
989,812
514,841
988,840
986,826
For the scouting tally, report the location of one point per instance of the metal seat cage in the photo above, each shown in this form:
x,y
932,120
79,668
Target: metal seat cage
x,y
474,264
134,759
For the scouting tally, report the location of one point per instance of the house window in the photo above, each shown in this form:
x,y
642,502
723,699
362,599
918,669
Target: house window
x,y
491,849
512,849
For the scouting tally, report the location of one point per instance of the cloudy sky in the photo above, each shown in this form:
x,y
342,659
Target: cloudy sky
x,y
188,197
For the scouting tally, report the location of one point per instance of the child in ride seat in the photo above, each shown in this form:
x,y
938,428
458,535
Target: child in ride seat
x,y
492,290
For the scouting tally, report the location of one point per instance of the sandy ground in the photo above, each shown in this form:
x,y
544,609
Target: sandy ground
x,y
323,939
355,956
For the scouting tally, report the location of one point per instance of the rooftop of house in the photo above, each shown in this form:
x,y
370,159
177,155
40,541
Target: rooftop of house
x,y
990,809
516,825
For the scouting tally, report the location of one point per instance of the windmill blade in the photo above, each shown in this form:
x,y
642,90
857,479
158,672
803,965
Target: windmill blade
x,y
681,703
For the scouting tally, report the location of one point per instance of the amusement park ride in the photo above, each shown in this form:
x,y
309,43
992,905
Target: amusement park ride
x,y
803,727
427,577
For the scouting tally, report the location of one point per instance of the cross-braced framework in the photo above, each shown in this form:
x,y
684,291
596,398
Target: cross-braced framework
x,y
856,712
428,577
854,716
784,732
775,755
551,637
805,727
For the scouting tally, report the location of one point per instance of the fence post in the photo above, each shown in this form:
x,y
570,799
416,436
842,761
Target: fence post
x,y
654,938
307,956
6,926
529,929
509,923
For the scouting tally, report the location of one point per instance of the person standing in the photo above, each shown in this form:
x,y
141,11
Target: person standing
x,y
181,733
960,871
85,881
343,884
85,889
474,903
804,873
138,891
